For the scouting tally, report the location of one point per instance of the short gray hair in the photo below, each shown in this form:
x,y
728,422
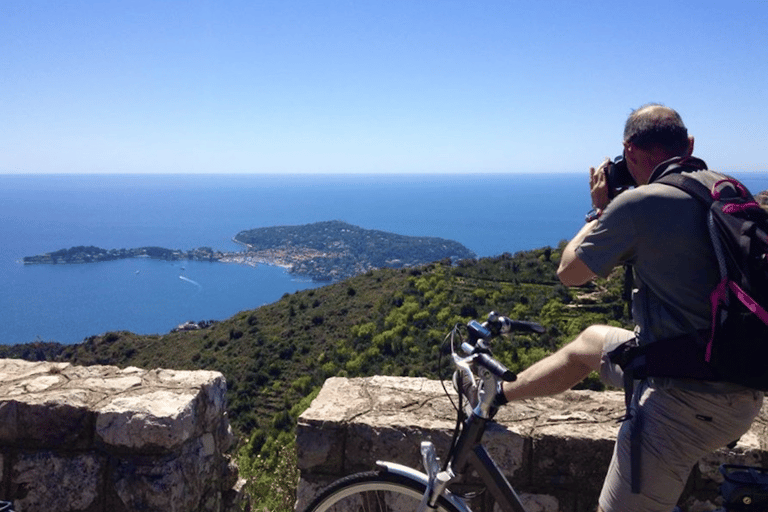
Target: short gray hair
x,y
654,126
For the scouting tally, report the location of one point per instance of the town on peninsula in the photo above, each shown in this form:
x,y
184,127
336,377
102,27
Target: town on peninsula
x,y
322,251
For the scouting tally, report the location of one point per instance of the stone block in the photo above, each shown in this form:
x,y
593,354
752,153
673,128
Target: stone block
x,y
100,438
320,447
51,481
554,450
158,420
172,483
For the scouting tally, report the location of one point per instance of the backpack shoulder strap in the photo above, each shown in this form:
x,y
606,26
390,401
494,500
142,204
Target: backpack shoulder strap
x,y
689,185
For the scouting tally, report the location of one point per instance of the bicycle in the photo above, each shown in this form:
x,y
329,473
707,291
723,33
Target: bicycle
x,y
477,379
394,487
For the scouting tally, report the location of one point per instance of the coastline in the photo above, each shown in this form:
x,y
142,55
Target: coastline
x,y
284,257
323,251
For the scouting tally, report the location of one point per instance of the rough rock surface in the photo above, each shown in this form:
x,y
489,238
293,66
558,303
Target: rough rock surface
x,y
555,451
99,438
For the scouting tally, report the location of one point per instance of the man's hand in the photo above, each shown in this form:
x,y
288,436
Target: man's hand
x,y
598,185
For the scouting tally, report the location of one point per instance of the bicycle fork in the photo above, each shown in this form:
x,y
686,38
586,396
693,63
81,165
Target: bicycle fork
x,y
437,480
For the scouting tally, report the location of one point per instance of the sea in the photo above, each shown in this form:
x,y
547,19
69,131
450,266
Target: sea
x,y
488,213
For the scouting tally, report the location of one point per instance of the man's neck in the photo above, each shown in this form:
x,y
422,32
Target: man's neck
x,y
676,164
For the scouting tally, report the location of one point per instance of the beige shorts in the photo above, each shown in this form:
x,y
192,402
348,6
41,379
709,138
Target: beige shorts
x,y
678,428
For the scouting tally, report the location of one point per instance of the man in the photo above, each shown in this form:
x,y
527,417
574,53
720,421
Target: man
x,y
661,231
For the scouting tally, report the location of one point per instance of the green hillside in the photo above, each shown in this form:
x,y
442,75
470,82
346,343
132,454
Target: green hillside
x,y
383,322
345,248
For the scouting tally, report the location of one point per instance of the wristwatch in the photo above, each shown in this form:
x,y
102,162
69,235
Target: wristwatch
x,y
593,214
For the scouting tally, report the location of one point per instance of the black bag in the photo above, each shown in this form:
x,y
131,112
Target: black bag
x,y
737,346
744,488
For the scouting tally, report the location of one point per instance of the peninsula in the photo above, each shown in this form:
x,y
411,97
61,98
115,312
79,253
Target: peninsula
x,y
323,251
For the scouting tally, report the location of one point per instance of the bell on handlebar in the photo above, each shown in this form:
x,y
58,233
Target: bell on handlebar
x,y
477,331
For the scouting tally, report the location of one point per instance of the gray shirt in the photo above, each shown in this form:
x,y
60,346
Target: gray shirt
x,y
662,232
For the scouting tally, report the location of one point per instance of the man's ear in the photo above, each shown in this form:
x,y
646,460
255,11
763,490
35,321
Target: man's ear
x,y
690,147
629,152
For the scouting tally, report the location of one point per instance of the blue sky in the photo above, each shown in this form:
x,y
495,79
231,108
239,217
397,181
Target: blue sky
x,y
417,86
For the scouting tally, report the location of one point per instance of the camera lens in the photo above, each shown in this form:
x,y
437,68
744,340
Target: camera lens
x,y
618,174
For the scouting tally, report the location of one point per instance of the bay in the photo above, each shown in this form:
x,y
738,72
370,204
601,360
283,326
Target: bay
x,y
489,214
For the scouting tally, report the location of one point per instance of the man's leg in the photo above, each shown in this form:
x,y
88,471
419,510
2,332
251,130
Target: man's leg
x,y
562,370
678,428
571,364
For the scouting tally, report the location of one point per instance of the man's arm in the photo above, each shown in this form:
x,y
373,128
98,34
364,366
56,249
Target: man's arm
x,y
573,271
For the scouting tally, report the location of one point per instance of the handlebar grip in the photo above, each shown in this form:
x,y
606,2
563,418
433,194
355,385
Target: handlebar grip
x,y
522,325
503,325
495,367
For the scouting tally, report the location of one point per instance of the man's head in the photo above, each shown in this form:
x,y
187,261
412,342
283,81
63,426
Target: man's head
x,y
654,133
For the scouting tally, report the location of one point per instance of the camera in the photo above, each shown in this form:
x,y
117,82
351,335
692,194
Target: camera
x,y
618,176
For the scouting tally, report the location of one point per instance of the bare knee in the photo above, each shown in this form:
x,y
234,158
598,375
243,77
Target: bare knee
x,y
587,348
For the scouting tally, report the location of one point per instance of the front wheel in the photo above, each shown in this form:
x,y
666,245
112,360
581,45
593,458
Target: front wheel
x,y
375,491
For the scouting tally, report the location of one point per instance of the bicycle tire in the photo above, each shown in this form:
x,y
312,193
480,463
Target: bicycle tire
x,y
374,491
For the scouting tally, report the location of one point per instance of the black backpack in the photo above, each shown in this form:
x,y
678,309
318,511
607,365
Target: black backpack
x,y
735,348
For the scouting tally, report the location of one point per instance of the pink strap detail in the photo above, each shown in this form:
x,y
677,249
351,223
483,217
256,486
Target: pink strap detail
x,y
732,208
715,299
718,296
729,181
749,302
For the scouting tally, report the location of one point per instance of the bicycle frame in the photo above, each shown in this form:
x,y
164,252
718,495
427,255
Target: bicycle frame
x,y
469,453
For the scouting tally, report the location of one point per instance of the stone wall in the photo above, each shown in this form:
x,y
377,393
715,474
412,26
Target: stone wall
x,y
555,451
103,439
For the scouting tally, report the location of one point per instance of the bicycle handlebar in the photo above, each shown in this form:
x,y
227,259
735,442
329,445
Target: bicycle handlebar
x,y
498,324
481,357
495,367
479,336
